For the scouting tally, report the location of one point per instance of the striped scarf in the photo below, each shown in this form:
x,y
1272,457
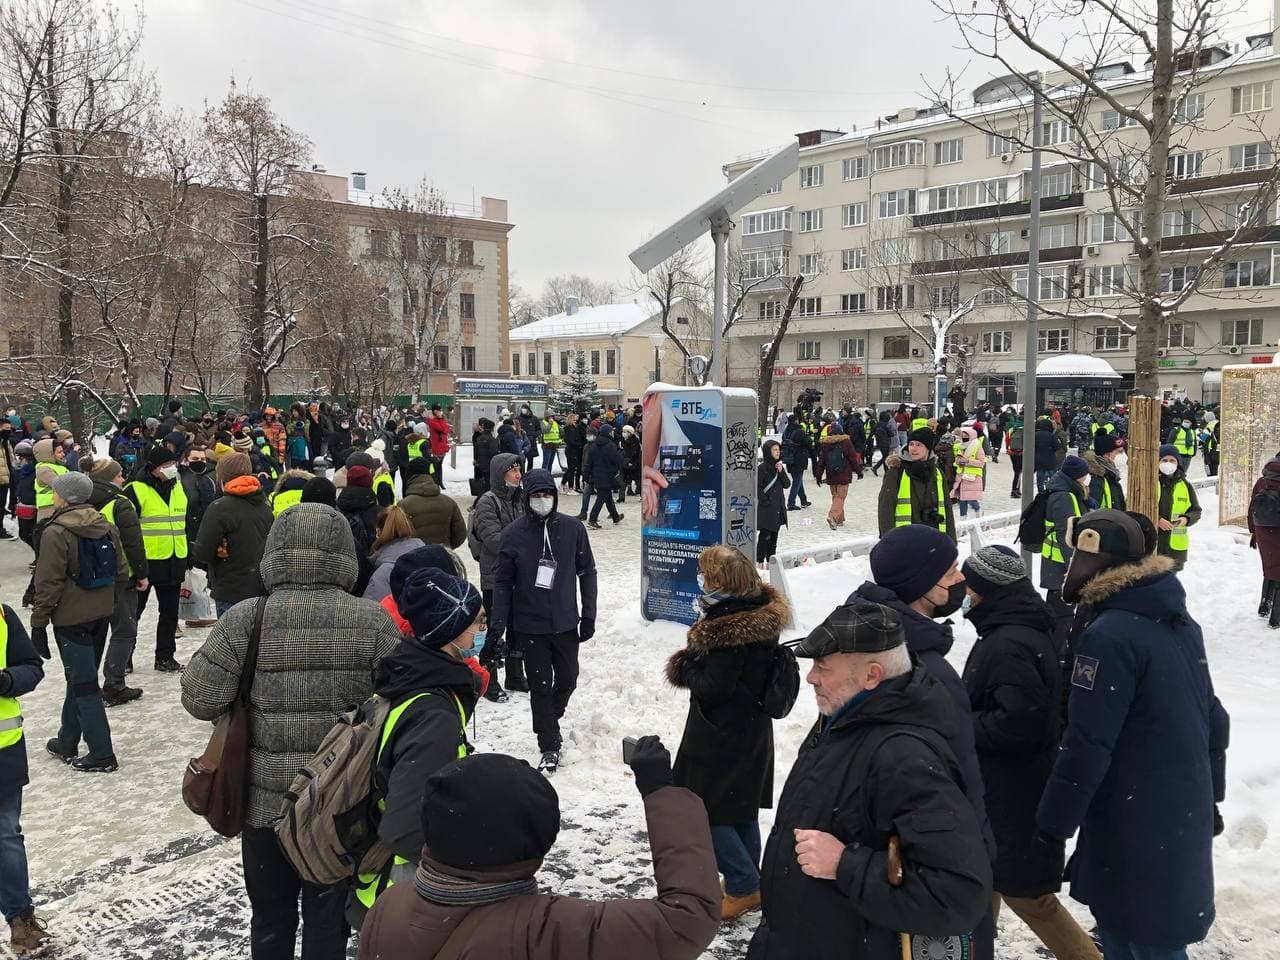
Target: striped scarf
x,y
453,891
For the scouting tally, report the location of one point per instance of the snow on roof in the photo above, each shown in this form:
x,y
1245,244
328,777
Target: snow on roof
x,y
602,321
1077,365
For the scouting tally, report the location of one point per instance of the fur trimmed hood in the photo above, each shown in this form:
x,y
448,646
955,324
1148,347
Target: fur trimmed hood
x,y
834,438
744,628
1114,579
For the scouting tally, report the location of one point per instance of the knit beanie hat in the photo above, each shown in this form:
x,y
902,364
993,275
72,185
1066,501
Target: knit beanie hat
x,y
359,477
923,435
105,470
1105,442
1074,467
232,465
518,806
242,443
72,487
320,490
1168,450
159,456
431,557
911,560
419,467
991,568
358,458
438,606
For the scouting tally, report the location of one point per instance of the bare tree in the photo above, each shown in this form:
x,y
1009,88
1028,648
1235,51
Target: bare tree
x,y
557,290
679,289
521,308
770,348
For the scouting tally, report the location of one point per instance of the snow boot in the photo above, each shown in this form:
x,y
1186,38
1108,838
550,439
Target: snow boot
x,y
27,933
103,764
114,696
55,749
1274,622
619,518
731,907
169,665
1268,597
515,673
550,762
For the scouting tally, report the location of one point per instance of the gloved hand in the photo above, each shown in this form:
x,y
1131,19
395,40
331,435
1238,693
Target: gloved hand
x,y
40,638
1219,824
586,630
6,683
651,763
495,640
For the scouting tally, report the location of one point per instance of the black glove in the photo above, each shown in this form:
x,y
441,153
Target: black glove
x,y
495,640
6,683
40,638
586,630
1218,824
651,763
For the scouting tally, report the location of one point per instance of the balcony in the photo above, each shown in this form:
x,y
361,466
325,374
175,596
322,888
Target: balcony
x,y
1016,258
1207,241
997,211
1222,181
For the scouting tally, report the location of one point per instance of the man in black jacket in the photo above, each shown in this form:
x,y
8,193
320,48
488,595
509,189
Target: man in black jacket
x,y
540,556
873,779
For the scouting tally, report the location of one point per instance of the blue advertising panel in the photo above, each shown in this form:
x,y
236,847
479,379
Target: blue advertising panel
x,y
500,388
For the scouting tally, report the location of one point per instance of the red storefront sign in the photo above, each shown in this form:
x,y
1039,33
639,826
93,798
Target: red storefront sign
x,y
1260,359
818,371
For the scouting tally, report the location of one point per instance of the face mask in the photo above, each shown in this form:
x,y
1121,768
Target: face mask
x,y
1168,469
1186,424
540,505
197,466
170,472
955,597
476,646
344,426
513,486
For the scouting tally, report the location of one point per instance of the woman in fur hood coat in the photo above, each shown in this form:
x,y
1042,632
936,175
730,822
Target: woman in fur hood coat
x,y
726,754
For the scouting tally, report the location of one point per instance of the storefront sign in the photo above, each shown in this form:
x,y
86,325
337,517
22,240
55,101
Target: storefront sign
x,y
828,371
1261,359
1164,364
501,388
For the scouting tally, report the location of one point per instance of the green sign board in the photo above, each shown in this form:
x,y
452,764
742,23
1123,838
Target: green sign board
x,y
1163,364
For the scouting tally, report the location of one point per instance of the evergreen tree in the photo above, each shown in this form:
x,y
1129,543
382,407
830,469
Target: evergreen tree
x,y
578,392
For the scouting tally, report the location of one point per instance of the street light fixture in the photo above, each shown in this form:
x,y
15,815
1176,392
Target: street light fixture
x,y
655,340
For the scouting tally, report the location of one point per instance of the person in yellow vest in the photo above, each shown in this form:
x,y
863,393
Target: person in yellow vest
x,y
1105,488
50,457
1179,507
971,465
550,441
288,490
433,693
1182,437
161,503
913,490
1068,491
20,672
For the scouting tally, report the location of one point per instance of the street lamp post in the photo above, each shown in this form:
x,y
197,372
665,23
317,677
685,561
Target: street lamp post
x,y
655,339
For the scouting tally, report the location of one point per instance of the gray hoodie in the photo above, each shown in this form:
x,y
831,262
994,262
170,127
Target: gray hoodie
x,y
497,507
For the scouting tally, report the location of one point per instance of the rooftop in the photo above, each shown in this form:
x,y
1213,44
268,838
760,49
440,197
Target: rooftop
x,y
1077,365
603,321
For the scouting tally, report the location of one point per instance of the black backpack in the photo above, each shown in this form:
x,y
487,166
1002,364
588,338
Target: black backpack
x,y
783,685
835,458
1265,509
1031,526
97,563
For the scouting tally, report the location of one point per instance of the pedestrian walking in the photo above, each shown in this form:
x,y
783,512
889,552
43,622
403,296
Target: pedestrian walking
x,y
1264,531
772,480
497,509
605,472
837,462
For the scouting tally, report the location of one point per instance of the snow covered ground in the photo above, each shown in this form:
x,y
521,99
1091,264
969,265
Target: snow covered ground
x,y
123,870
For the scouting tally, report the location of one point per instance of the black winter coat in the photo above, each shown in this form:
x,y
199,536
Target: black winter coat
x,y
795,447
507,442
360,507
1015,690
241,516
26,670
881,767
483,449
606,461
1047,446
771,501
726,753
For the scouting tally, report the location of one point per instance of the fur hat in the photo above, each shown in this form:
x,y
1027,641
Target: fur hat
x,y
1102,540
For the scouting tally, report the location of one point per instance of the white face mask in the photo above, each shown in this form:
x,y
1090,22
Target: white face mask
x,y
1167,468
540,505
170,472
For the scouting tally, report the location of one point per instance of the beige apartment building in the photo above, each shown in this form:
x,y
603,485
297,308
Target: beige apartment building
x,y
927,210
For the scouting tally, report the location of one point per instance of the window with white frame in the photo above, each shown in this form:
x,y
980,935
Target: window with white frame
x,y
948,151
1054,235
975,193
1242,333
1246,210
811,176
897,347
1190,108
1054,283
895,203
854,168
1179,335
1057,182
809,350
769,310
1002,141
1110,337
896,297
1251,156
1054,132
1114,120
1180,223
895,389
1251,97
774,188
854,258
853,303
1106,281
1054,341
997,341
893,250
907,153
1106,228
1177,279
761,264
854,214
1182,166
810,264
944,298
766,221
810,220
993,191
515,364
945,248
1255,272
990,296
853,348
809,306
997,242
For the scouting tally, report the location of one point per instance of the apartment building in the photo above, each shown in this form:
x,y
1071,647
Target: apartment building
x,y
927,210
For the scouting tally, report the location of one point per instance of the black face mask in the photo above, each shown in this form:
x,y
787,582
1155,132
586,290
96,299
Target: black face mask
x,y
197,466
955,597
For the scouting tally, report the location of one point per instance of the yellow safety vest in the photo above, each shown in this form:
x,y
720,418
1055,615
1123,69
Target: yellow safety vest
x,y
902,512
969,469
415,448
109,514
284,499
1106,495
1178,507
920,423
1051,550
164,525
44,495
1185,441
370,885
551,433
10,711
384,480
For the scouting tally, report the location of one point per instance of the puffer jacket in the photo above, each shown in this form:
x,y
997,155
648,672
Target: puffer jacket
x,y
58,598
436,517
316,658
242,518
495,509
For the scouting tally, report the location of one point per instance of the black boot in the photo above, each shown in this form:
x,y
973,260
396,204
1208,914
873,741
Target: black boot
x,y
1274,621
1268,598
515,673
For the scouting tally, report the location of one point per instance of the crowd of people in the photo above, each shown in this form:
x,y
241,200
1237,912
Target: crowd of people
x,y
922,801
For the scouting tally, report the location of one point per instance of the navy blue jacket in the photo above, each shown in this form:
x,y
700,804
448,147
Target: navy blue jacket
x,y
1143,761
26,670
507,442
606,461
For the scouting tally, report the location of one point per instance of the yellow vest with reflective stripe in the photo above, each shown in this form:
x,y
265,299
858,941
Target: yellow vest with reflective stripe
x,y
415,448
44,495
902,512
284,499
1185,441
370,885
969,469
10,711
551,433
109,514
920,423
1052,550
1181,503
164,525
384,480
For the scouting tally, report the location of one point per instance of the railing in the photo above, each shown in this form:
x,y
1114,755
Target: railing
x,y
995,261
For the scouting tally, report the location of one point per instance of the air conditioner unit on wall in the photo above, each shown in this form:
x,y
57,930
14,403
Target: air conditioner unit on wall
x,y
1025,233
1162,352
1234,351
1093,250
1007,157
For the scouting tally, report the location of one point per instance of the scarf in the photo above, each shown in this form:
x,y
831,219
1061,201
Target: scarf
x,y
452,891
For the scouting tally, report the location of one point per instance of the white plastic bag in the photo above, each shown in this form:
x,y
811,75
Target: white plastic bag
x,y
194,600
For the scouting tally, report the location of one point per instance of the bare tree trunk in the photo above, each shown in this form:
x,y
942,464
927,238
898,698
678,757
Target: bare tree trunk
x,y
765,385
256,391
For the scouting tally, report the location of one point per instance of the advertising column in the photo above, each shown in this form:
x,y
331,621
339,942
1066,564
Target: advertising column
x,y
698,467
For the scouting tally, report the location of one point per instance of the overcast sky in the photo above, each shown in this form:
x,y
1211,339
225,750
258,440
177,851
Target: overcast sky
x,y
599,121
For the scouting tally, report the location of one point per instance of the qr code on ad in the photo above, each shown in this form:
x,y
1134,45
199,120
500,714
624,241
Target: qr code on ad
x,y
706,508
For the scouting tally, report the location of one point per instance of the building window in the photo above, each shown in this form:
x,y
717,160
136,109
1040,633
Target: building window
x,y
1000,142
515,364
908,153
975,193
855,214
895,297
546,363
1054,341
1107,281
770,310
466,253
762,264
1053,283
408,300
893,250
897,347
1251,97
409,357
944,298
1110,338
766,222
808,306
1055,235
809,350
1247,273
810,264
1057,182
998,390
811,176
439,249
1179,335
1114,120
1054,132
1180,223
378,243
855,258
1177,279
440,357
611,362
997,242
895,203
467,306
895,389
853,348
854,168
774,188
853,303
1106,228
993,295
810,220
468,358
948,151
1000,341
1250,210
1190,108
409,246
564,363
595,361
1251,156
1241,333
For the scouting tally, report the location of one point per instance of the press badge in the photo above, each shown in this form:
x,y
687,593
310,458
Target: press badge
x,y
546,574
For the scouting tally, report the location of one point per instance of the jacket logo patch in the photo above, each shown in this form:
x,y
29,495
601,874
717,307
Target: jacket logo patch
x,y
1085,672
